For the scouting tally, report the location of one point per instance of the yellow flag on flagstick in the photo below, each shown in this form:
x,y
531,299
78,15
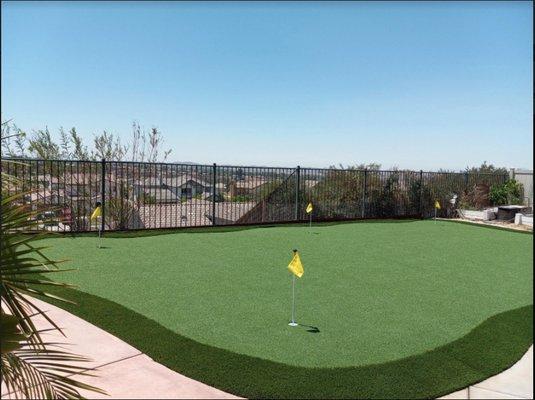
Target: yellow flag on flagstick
x,y
295,265
437,205
96,213
309,208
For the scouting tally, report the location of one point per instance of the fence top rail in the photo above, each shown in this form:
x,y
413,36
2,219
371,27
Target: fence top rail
x,y
20,159
304,169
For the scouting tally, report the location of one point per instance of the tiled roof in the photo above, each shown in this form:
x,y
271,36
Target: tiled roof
x,y
189,213
162,195
45,195
251,182
171,181
182,179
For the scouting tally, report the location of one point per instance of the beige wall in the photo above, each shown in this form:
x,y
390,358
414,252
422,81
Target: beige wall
x,y
525,177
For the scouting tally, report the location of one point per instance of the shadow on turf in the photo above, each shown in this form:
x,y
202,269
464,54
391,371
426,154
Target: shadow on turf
x,y
229,228
310,328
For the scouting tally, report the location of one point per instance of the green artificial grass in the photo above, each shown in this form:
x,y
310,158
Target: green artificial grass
x,y
407,309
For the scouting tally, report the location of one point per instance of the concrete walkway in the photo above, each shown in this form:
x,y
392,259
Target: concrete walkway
x,y
514,383
120,369
126,373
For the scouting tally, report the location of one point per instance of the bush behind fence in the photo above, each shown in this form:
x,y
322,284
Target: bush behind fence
x,y
137,195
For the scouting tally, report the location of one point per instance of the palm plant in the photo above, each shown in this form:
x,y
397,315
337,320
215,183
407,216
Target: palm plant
x,y
31,367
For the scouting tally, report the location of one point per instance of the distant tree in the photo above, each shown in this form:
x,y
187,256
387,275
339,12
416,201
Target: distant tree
x,y
361,166
155,141
43,146
65,144
486,169
138,142
145,145
109,147
14,142
80,151
142,139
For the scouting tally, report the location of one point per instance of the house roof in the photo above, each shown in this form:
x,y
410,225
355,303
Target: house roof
x,y
171,181
189,213
44,194
162,195
250,183
149,181
80,178
45,178
183,179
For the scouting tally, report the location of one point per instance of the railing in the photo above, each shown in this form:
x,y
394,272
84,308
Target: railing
x,y
138,195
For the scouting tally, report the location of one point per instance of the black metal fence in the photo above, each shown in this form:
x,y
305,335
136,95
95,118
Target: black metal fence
x,y
138,195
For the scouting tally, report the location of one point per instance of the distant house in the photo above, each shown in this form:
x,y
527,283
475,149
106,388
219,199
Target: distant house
x,y
172,189
246,187
187,186
220,189
78,185
45,197
158,195
45,181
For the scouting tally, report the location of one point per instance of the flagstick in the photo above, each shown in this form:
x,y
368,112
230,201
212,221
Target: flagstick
x,y
99,237
293,323
311,219
435,215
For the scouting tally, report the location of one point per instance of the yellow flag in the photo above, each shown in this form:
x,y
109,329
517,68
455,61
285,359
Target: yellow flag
x,y
437,205
295,266
96,213
309,208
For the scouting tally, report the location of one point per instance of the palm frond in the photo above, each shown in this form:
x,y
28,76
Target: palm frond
x,y
30,367
45,373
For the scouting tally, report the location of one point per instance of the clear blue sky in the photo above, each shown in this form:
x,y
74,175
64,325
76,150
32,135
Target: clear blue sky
x,y
414,85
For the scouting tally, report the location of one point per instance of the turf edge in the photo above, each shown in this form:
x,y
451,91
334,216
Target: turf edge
x,y
488,349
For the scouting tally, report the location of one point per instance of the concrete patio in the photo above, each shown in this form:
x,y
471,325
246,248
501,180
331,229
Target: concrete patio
x,y
125,372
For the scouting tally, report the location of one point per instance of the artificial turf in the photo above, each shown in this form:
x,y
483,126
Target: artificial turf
x,y
388,309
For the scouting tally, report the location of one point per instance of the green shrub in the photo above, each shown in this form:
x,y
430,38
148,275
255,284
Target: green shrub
x,y
508,193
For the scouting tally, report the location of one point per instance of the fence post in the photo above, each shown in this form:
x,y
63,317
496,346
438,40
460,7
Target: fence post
x,y
364,184
103,194
298,183
213,193
420,205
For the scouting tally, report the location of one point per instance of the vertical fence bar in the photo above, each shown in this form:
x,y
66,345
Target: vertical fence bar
x,y
297,183
420,205
213,192
103,194
364,188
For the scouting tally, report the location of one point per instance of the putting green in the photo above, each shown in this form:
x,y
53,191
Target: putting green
x,y
372,294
